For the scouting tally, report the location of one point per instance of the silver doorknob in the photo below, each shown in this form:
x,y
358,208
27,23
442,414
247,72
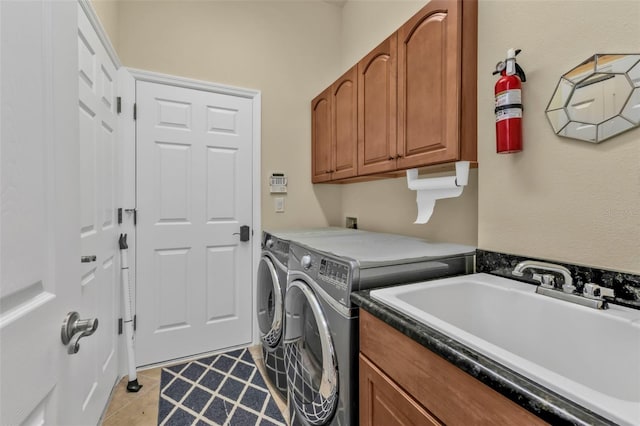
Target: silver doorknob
x,y
74,329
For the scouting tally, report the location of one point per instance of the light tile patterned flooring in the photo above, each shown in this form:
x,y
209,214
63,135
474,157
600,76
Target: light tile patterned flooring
x,y
141,408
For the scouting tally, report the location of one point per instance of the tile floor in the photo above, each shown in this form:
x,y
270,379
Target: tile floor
x,y
141,408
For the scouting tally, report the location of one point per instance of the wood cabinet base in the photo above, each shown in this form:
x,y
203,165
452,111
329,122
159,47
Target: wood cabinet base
x,y
439,388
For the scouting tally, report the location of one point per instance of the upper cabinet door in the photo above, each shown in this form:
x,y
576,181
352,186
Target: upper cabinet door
x,y
377,102
429,64
344,94
321,137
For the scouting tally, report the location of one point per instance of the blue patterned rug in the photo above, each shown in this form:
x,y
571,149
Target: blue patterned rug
x,y
225,389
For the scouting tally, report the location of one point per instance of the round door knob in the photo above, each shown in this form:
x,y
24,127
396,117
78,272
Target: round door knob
x,y
305,261
269,243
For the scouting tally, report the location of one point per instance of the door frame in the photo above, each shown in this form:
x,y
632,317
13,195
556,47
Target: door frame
x,y
128,92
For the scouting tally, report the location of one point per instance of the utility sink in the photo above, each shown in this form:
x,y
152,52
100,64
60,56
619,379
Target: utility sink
x,y
589,356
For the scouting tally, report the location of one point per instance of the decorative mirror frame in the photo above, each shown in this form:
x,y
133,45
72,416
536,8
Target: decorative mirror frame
x,y
566,115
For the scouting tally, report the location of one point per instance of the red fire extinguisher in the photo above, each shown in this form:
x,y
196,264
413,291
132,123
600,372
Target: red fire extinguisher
x,y
508,108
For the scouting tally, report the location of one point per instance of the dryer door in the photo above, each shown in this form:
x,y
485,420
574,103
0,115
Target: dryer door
x,y
310,359
270,304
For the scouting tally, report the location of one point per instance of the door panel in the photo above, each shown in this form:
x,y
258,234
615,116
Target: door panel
x,y
39,245
345,125
321,137
429,63
96,361
377,103
194,191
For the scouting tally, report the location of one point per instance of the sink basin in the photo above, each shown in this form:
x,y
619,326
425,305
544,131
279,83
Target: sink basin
x,y
589,356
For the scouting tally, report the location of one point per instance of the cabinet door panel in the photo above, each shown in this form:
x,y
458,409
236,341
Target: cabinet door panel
x,y
382,402
344,114
321,137
377,100
428,85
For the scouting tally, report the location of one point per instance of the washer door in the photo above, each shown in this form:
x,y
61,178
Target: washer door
x,y
310,358
270,303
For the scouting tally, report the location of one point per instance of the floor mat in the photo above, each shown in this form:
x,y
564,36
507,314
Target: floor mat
x,y
225,389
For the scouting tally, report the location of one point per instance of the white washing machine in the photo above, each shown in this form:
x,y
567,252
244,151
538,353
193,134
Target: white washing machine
x,y
272,280
321,331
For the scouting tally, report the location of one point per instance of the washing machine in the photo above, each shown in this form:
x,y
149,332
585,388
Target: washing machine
x,y
321,333
271,283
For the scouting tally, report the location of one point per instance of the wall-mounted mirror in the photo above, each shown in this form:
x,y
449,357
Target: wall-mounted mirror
x,y
598,99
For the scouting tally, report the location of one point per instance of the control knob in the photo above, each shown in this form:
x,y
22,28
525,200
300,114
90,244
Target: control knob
x,y
305,261
269,243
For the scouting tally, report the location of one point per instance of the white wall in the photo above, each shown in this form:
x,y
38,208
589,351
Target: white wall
x,y
559,199
109,13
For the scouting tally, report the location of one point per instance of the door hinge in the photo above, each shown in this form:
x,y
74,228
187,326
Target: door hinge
x,y
135,215
121,324
135,111
119,104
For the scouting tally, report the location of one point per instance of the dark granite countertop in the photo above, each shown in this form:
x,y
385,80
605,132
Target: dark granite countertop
x,y
542,402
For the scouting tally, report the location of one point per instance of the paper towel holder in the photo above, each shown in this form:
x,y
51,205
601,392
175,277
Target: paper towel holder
x,y
431,189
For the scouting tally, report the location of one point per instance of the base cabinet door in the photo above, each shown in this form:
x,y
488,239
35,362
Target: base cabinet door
x,y
382,402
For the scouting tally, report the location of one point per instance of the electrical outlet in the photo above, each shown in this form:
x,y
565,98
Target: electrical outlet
x,y
352,222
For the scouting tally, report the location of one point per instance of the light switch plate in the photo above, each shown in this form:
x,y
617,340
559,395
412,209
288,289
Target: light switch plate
x,y
279,204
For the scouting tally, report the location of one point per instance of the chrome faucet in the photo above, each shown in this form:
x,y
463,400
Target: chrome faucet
x,y
548,287
546,280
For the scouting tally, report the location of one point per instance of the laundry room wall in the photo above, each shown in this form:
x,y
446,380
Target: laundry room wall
x,y
559,198
287,50
109,11
388,205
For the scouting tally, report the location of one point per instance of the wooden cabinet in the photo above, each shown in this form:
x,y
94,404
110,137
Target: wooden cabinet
x,y
398,370
416,98
377,102
321,137
383,402
334,130
430,59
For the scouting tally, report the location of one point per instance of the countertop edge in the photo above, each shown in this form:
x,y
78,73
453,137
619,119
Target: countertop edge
x,y
535,398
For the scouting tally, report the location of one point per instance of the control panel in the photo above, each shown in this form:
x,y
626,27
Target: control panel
x,y
334,273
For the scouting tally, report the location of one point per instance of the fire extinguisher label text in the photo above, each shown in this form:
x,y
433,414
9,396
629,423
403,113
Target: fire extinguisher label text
x,y
508,113
509,97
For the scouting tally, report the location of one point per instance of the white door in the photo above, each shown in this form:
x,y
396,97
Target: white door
x,y
194,191
40,248
99,279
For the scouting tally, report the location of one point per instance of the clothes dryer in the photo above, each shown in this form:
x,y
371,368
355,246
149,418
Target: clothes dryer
x,y
321,326
271,286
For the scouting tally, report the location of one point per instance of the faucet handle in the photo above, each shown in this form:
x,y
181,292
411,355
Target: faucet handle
x,y
594,291
545,280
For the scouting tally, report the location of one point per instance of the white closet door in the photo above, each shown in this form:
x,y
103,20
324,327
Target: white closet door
x,y
98,282
194,192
